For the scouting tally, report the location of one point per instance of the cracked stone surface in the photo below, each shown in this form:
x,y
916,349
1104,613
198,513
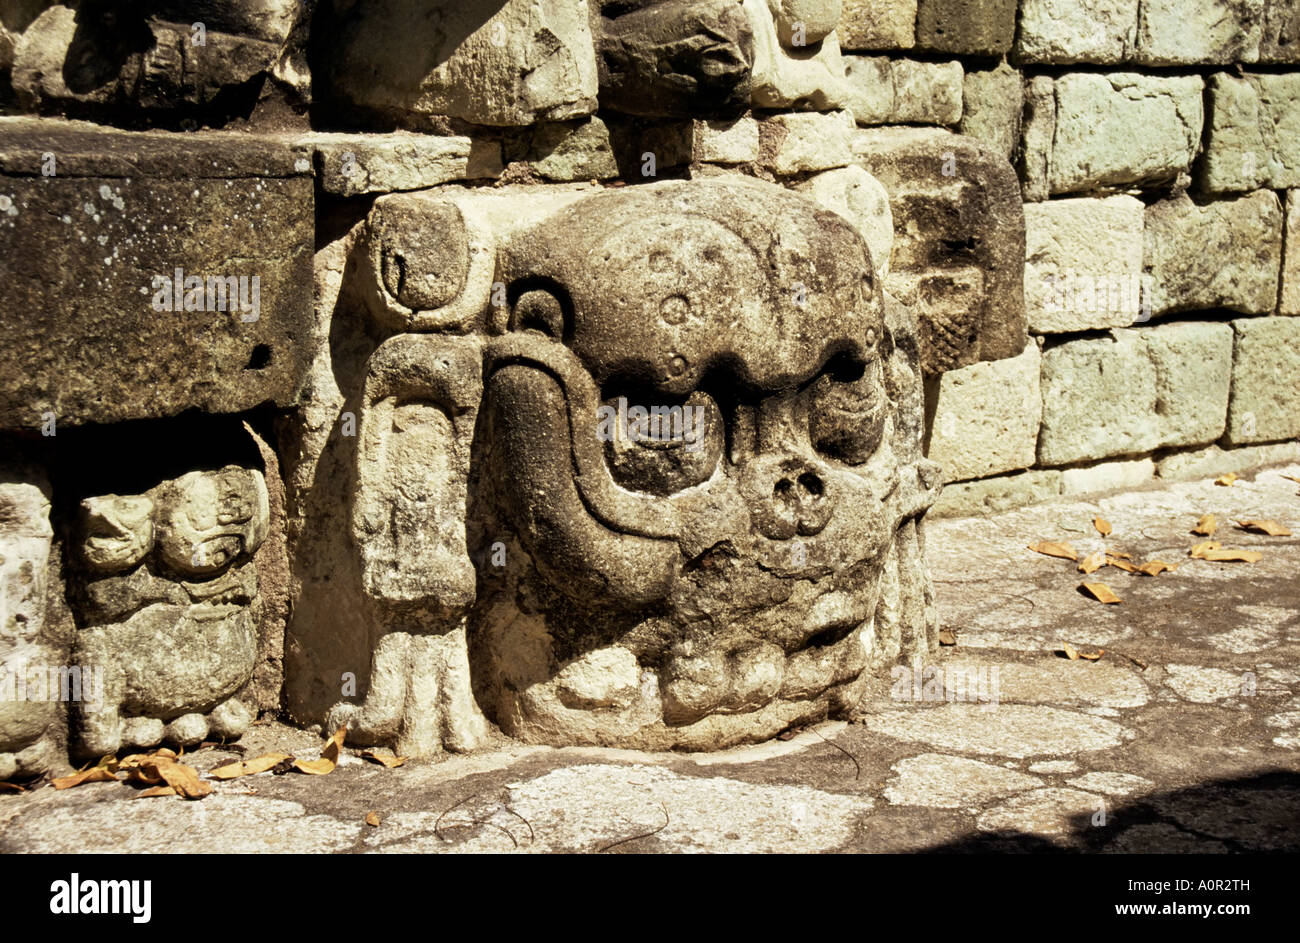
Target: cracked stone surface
x,y
1184,736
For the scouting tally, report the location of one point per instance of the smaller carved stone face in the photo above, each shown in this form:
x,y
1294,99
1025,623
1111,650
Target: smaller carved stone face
x,y
165,608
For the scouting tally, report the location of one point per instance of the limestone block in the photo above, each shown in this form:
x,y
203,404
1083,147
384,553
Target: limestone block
x,y
1039,130
166,606
1265,404
725,142
870,25
1002,493
1213,461
673,58
104,60
1254,133
1280,42
1171,32
959,250
29,715
1083,263
966,27
1099,400
992,105
1117,129
170,273
1107,476
578,151
503,63
806,142
861,199
1193,363
1220,254
1290,293
352,164
903,91
987,417
799,69
1061,32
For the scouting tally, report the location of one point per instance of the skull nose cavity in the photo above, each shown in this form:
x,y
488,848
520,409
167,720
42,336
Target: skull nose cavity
x,y
799,505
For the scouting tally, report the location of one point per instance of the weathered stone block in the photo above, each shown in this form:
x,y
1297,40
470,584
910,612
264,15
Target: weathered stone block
x,y
1254,133
1173,32
577,151
987,416
1039,129
1107,476
726,142
870,25
797,61
1083,263
805,142
168,274
1265,404
1289,297
1066,31
1115,129
959,251
504,63
352,164
903,91
1222,254
862,200
992,105
1280,42
1193,362
673,58
1214,461
1099,400
966,27
992,495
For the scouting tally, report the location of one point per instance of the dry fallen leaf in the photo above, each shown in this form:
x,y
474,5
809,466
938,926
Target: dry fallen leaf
x,y
1070,651
334,745
372,819
1052,548
1100,592
1102,525
947,637
1233,556
1092,562
235,769
1271,528
1092,656
184,779
1206,526
1199,551
315,767
154,792
1226,480
1119,563
392,760
1156,567
12,787
96,774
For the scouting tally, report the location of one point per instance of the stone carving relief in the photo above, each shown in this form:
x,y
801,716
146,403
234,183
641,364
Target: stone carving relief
x,y
165,606
797,60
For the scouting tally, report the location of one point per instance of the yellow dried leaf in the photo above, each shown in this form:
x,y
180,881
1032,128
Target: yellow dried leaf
x,y
184,779
154,792
1052,548
231,769
1226,480
1271,528
1071,652
1206,526
96,774
1292,478
1199,551
12,787
947,637
314,767
1092,656
392,760
1100,592
263,763
1119,563
1102,525
1233,556
1156,567
334,745
372,819
1092,562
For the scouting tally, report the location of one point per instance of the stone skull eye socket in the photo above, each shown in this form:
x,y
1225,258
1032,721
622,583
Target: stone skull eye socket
x,y
847,410
659,444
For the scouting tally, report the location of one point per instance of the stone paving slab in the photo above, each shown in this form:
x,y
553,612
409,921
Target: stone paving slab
x,y
1184,736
